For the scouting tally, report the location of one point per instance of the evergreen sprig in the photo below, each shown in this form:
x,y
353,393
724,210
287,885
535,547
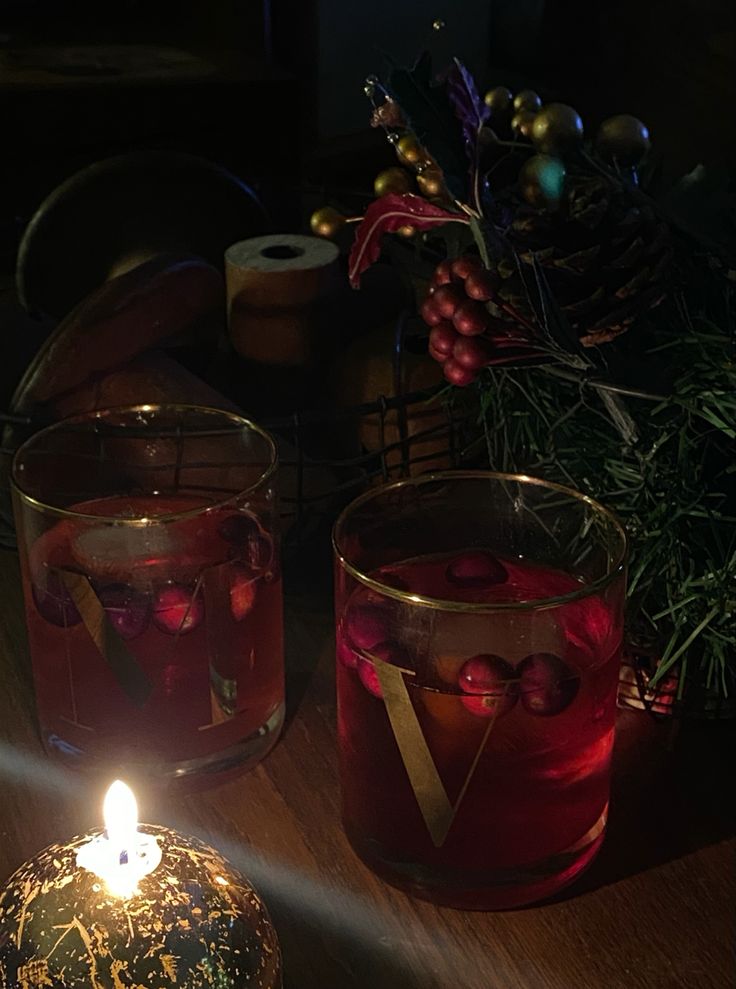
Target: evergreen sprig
x,y
672,481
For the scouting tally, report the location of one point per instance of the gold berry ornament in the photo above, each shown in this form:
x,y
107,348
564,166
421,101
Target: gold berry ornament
x,y
522,122
527,99
431,183
557,129
498,100
407,231
326,222
395,179
542,180
410,149
623,139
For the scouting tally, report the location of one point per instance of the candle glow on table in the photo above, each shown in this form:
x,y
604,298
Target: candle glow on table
x,y
134,905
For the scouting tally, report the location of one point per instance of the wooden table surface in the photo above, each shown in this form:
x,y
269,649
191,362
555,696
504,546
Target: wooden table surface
x,y
655,911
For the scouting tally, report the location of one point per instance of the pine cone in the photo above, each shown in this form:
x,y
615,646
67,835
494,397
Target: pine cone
x,y
605,258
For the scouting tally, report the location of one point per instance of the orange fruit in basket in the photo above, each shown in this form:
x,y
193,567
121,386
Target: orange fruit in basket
x,y
365,373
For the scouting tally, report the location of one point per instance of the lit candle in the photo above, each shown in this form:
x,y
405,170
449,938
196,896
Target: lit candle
x,y
122,855
129,906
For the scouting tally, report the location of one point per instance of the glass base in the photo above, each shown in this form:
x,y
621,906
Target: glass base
x,y
500,889
233,760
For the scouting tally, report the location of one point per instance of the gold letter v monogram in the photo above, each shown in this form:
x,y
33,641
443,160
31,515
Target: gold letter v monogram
x,y
123,664
437,811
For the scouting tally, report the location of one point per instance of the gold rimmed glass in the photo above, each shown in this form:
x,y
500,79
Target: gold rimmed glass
x,y
148,539
479,623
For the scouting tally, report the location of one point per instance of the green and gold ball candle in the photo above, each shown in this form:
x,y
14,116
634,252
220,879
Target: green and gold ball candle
x,y
130,906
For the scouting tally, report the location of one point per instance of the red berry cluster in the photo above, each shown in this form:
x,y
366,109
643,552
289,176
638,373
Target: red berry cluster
x,y
460,323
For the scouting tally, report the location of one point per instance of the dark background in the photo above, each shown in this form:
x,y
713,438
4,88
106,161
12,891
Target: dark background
x,y
273,88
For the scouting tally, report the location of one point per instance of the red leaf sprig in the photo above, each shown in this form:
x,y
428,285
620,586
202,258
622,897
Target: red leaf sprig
x,y
387,215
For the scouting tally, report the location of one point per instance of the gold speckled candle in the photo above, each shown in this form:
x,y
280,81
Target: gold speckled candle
x,y
191,921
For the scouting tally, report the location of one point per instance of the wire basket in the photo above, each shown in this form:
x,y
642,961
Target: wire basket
x,y
320,483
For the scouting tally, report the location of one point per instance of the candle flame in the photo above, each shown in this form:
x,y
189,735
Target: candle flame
x,y
122,855
120,813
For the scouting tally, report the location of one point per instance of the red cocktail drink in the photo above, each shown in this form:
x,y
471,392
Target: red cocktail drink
x,y
155,629
477,696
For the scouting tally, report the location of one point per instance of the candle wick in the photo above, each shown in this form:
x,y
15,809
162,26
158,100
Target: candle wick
x,y
123,857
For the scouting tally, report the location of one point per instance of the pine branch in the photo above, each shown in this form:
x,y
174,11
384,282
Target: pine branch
x,y
664,467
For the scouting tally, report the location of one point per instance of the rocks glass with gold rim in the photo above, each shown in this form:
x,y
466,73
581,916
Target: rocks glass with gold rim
x,y
479,625
149,552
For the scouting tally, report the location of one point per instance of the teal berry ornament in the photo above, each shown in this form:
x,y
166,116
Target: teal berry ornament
x,y
542,181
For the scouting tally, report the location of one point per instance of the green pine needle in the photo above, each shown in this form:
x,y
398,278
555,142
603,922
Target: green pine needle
x,y
672,483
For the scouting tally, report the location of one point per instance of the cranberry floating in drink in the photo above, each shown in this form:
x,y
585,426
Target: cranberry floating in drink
x,y
492,685
178,609
127,609
367,624
388,578
476,569
476,682
247,540
152,586
547,684
238,528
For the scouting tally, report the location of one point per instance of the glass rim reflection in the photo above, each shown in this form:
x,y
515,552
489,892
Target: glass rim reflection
x,y
144,407
615,568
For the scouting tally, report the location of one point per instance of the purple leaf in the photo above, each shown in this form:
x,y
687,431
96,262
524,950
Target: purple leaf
x,y
386,215
467,104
